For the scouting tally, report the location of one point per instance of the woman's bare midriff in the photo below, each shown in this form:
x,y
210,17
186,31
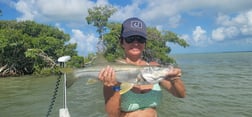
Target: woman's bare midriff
x,y
148,112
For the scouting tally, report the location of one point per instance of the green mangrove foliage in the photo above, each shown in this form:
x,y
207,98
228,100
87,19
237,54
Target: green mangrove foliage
x,y
28,47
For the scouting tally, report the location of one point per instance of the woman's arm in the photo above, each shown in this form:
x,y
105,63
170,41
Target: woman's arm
x,y
112,101
174,84
111,97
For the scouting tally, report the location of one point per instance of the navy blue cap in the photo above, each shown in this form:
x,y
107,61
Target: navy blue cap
x,y
133,27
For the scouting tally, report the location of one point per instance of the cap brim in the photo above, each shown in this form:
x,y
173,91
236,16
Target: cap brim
x,y
128,34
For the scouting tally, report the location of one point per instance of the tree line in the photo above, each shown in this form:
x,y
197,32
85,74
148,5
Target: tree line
x,y
28,47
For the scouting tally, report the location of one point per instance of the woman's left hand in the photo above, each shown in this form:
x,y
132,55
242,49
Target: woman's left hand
x,y
173,83
174,73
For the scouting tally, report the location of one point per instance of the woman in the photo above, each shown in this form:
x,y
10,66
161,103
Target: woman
x,y
141,100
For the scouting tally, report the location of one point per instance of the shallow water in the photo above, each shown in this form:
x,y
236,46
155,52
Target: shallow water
x,y
217,85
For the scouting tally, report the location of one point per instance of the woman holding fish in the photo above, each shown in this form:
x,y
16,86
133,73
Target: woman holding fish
x,y
140,100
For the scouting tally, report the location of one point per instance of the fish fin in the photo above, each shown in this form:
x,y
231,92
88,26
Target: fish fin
x,y
125,87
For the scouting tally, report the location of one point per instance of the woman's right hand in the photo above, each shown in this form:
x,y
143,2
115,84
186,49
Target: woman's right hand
x,y
107,76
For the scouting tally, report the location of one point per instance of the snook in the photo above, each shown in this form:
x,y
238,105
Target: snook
x,y
127,73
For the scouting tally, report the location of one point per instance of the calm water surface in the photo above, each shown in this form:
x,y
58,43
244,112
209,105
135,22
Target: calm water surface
x,y
218,85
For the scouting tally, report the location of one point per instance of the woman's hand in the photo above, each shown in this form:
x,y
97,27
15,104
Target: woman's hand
x,y
107,76
173,83
112,97
173,74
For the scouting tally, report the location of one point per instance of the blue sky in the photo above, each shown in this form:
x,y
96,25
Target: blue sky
x,y
207,25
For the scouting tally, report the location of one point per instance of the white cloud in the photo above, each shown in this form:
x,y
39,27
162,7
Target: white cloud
x,y
218,34
124,12
199,34
222,33
160,9
223,20
239,19
53,10
25,9
246,30
153,13
198,37
231,27
85,43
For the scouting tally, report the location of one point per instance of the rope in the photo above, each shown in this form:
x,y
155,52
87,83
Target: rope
x,y
54,95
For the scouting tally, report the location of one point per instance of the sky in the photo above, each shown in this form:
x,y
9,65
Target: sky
x,y
206,25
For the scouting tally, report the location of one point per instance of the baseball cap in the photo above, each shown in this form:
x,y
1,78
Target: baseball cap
x,y
133,26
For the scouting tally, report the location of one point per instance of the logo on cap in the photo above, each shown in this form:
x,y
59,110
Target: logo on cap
x,y
136,24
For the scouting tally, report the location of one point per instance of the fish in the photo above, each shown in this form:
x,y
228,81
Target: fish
x,y
127,74
137,75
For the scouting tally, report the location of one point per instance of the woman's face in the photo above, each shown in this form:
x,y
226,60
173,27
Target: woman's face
x,y
134,45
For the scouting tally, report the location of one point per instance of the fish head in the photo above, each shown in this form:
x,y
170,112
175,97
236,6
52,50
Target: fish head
x,y
153,75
